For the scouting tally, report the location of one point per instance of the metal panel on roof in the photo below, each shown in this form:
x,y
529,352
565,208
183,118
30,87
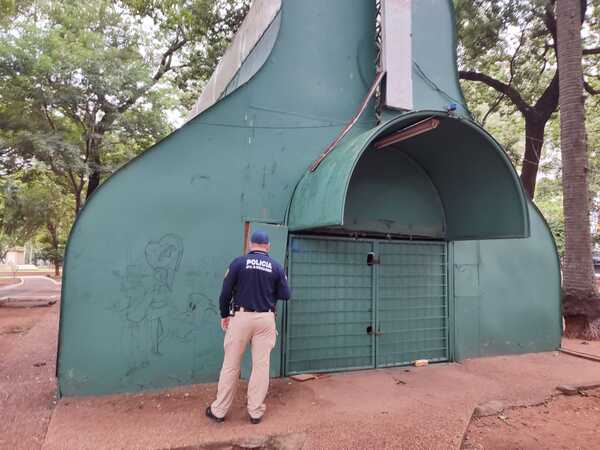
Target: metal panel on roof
x,y
320,196
255,25
396,35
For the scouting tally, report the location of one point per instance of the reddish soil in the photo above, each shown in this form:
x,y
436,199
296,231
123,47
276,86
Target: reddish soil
x,y
28,338
15,323
560,423
428,407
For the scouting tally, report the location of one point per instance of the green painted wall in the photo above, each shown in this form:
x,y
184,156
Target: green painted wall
x,y
461,159
390,193
435,72
239,160
507,294
146,257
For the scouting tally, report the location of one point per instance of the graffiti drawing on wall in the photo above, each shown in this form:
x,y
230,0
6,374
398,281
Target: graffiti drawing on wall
x,y
147,307
151,309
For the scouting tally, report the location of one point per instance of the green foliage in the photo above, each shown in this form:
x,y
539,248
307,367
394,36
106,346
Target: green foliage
x,y
87,85
36,209
6,243
508,40
513,41
550,201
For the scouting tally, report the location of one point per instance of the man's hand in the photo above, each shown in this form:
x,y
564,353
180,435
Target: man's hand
x,y
225,323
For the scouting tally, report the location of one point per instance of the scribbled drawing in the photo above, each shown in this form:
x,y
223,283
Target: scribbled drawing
x,y
137,286
148,308
164,257
180,324
151,312
199,298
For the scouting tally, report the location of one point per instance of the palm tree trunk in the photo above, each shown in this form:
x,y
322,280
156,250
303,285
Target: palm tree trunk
x,y
581,304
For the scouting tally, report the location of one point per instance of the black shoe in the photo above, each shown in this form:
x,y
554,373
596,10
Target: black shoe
x,y
254,421
210,415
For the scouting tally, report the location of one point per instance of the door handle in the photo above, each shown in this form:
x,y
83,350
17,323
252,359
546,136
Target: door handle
x,y
370,332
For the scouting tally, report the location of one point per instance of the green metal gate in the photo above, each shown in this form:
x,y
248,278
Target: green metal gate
x,y
364,304
412,306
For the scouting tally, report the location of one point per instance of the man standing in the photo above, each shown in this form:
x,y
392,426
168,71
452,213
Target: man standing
x,y
252,286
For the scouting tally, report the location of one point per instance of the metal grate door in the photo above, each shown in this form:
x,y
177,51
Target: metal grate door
x,y
332,306
346,314
412,303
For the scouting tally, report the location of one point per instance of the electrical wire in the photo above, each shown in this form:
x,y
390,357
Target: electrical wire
x,y
273,127
435,87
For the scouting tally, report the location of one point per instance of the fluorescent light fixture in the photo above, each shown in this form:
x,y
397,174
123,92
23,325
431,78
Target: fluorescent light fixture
x,y
409,132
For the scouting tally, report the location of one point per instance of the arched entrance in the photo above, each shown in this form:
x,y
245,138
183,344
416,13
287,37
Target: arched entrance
x,y
368,262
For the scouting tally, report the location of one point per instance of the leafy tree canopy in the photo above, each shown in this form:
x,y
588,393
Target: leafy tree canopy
x,y
86,85
508,48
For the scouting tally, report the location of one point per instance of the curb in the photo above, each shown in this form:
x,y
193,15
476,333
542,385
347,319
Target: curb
x,y
12,286
588,356
501,407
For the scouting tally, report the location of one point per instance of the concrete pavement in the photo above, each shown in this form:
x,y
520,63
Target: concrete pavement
x,y
31,289
413,408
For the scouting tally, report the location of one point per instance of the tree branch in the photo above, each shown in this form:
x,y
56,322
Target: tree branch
x,y
548,101
512,76
590,89
165,66
591,51
500,86
48,118
550,21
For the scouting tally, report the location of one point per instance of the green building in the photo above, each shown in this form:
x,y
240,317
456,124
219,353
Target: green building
x,y
411,238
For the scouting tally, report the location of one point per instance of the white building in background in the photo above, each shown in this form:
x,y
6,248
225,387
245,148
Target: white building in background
x,y
22,258
15,256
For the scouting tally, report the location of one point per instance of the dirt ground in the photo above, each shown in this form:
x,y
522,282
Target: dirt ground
x,y
562,422
28,339
406,407
15,323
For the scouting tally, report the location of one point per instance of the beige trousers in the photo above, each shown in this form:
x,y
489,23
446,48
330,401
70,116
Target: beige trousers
x,y
244,327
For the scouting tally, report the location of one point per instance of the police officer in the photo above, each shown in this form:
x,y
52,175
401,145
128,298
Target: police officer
x,y
255,282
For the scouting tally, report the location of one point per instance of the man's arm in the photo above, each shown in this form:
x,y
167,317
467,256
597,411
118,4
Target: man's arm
x,y
283,288
228,287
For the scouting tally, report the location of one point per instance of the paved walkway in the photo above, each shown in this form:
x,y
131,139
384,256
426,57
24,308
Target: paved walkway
x,y
591,348
413,408
31,288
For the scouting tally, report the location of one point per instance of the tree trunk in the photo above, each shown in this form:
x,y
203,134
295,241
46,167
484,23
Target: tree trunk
x,y
581,303
93,183
52,230
95,165
77,202
534,141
